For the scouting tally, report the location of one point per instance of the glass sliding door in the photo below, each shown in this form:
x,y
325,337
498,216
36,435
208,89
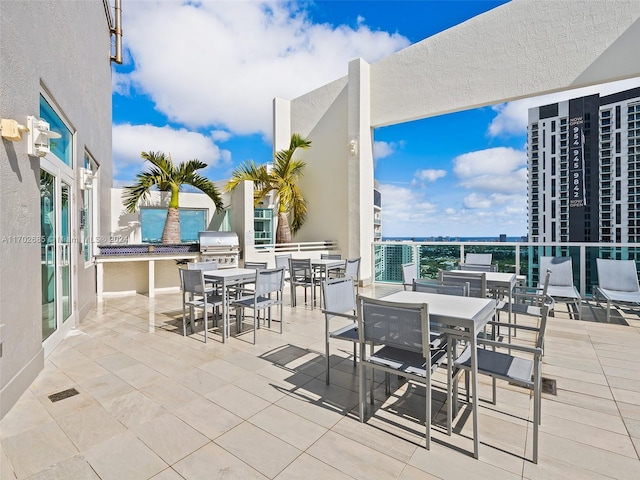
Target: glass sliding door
x,y
48,252
55,251
64,249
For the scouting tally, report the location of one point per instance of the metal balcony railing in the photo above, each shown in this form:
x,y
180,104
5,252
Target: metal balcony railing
x,y
521,258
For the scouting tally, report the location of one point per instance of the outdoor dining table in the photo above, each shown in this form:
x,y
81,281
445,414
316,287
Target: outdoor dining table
x,y
465,317
226,278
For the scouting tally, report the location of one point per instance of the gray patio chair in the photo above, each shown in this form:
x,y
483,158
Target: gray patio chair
x,y
197,295
441,289
617,283
478,258
478,262
212,265
267,294
282,261
248,288
561,286
334,272
476,281
523,369
403,330
409,274
256,265
528,301
340,304
352,271
301,275
437,340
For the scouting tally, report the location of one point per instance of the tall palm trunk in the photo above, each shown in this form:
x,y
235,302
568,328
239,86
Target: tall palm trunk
x,y
283,232
171,231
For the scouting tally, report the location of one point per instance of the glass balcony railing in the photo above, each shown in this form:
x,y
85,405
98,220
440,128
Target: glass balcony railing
x,y
521,258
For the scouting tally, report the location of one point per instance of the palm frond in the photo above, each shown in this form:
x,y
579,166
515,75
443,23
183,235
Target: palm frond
x,y
248,171
298,207
208,187
139,190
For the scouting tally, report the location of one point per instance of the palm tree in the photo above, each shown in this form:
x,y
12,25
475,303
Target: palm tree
x,y
167,178
281,178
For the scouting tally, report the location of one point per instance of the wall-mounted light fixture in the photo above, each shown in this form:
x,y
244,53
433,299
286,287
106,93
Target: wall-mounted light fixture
x,y
39,136
12,130
353,146
86,179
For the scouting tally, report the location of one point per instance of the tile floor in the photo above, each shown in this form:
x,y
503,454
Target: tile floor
x,y
153,404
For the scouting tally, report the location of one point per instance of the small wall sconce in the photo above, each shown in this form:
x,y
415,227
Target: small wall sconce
x,y
39,136
12,130
86,179
353,146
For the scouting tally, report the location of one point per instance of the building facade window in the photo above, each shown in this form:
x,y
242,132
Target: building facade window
x,y
61,147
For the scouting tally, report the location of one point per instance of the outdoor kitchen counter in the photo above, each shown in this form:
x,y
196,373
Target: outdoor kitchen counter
x,y
126,274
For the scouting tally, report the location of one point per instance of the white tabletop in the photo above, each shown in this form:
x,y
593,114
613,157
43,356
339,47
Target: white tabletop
x,y
451,310
230,273
494,278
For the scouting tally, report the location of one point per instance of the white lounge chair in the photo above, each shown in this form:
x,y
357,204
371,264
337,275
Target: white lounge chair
x,y
617,283
561,286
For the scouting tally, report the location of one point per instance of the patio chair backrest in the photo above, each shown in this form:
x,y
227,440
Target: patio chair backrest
x,y
300,269
352,268
205,266
561,270
192,281
269,280
461,290
409,273
620,275
394,324
283,261
477,268
339,296
476,281
330,256
478,258
256,265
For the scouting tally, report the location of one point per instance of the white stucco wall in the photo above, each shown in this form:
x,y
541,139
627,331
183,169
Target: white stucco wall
x,y
61,49
520,49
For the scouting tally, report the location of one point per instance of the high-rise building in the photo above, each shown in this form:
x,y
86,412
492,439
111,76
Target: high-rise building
x,y
584,169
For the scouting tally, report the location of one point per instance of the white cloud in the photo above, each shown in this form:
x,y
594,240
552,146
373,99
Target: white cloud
x,y
513,117
130,140
213,63
383,149
407,213
430,175
500,169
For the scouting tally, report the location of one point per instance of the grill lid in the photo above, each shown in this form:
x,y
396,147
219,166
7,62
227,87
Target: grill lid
x,y
210,240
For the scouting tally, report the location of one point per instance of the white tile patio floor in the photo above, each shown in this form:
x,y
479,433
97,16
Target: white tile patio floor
x,y
154,404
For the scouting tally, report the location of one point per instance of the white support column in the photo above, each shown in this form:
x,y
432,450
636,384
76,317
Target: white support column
x,y
99,280
152,278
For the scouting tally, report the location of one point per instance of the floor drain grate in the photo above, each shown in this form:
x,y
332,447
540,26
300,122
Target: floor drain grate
x,y
549,386
56,397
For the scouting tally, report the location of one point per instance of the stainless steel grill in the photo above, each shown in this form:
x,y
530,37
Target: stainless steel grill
x,y
220,246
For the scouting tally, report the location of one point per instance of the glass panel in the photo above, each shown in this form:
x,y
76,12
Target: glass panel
x,y
86,224
65,250
48,252
60,147
152,220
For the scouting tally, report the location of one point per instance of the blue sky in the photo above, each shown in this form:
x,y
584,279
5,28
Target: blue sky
x,y
199,78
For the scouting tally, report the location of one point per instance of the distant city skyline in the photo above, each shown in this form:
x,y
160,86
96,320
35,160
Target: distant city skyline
x,y
209,96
